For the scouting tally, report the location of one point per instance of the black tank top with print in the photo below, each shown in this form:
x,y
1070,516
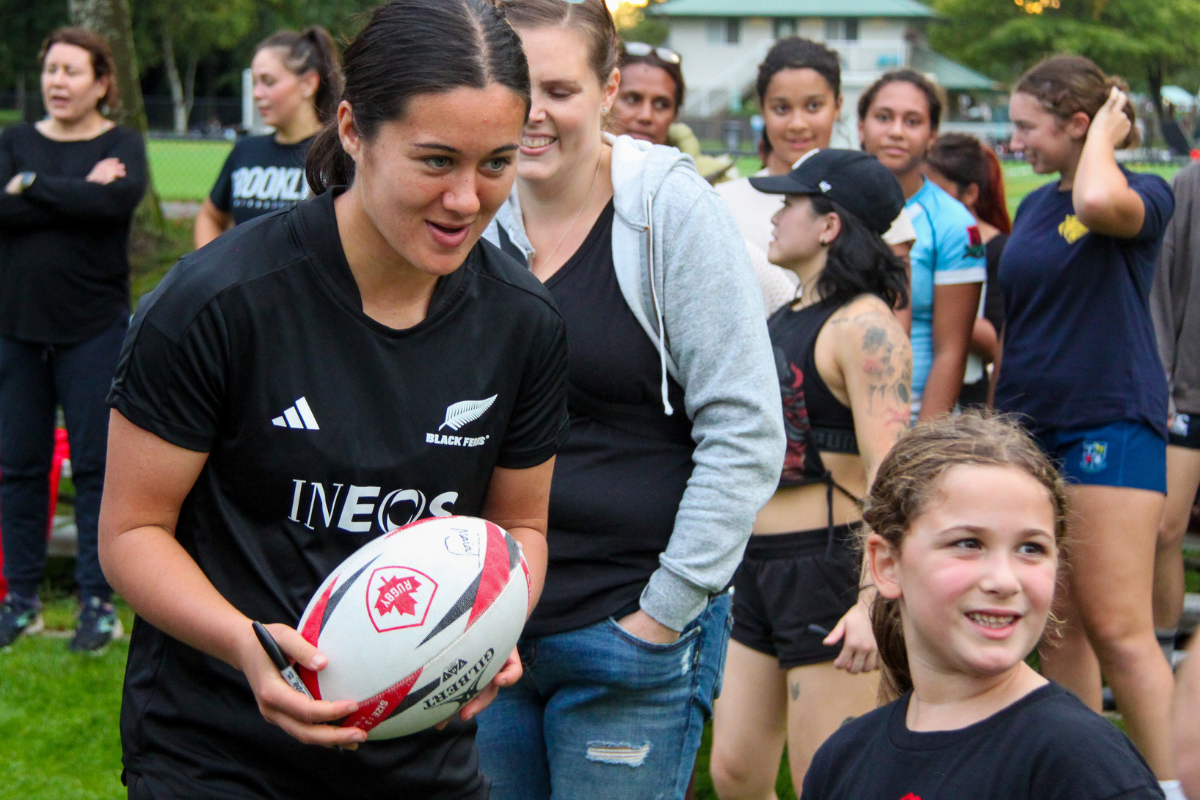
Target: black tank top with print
x,y
814,419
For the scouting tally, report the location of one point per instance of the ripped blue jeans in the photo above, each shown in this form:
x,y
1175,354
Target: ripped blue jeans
x,y
602,713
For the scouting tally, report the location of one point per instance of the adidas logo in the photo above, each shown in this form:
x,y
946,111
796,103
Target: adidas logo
x,y
298,416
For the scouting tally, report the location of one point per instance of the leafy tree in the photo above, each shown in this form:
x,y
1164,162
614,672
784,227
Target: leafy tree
x,y
180,34
1146,41
637,23
26,24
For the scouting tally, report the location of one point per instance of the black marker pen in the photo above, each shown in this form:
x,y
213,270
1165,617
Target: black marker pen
x,y
817,629
280,660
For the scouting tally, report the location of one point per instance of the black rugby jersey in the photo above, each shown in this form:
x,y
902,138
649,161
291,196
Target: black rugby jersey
x,y
324,430
260,176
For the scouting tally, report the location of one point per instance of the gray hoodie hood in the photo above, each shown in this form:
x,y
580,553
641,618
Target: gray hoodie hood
x,y
639,172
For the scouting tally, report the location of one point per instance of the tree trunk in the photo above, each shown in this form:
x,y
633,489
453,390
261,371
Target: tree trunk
x,y
110,19
1154,78
178,107
189,84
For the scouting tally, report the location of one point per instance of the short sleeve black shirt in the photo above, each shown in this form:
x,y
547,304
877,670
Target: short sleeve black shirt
x,y
260,176
1045,746
324,429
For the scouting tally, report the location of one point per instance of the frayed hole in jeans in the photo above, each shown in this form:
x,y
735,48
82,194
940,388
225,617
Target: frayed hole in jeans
x,y
629,755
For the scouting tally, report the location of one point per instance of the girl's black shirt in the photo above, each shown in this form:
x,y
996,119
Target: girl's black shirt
x,y
64,241
324,429
1045,746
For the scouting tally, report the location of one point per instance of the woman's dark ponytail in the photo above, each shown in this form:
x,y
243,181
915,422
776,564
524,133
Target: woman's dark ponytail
x,y
411,48
859,262
327,164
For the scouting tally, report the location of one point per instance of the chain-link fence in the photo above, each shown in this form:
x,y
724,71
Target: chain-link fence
x,y
184,168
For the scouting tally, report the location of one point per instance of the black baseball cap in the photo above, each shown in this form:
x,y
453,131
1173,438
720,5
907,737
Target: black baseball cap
x,y
854,180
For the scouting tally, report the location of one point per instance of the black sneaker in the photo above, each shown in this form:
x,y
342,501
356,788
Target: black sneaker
x,y
98,625
18,616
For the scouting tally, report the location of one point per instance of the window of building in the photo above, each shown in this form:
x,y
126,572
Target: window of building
x,y
841,29
723,30
784,27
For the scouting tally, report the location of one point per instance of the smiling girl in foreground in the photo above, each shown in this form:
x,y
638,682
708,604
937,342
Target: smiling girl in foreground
x,y
966,517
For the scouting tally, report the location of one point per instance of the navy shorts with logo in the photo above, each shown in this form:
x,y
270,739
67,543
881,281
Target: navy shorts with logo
x,y
1126,454
1184,431
790,591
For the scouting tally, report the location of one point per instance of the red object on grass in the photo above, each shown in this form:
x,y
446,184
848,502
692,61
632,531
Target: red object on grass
x,y
61,453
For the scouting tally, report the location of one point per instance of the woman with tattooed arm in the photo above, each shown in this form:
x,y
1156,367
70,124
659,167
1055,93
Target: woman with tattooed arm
x,y
800,662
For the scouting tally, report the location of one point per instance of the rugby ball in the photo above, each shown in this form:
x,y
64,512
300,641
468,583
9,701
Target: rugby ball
x,y
417,622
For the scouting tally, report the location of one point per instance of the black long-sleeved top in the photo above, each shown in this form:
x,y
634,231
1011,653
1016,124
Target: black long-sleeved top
x,y
64,261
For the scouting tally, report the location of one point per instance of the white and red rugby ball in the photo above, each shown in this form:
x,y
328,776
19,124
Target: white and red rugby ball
x,y
417,622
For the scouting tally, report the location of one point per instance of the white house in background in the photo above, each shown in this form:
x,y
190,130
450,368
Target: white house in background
x,y
722,43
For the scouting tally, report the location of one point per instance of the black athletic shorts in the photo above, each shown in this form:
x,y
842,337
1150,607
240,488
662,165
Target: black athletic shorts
x,y
1183,431
790,591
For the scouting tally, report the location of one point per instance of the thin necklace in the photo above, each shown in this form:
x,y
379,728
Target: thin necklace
x,y
575,219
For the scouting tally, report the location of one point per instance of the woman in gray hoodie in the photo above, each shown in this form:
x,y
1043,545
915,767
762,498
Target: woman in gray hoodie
x,y
676,434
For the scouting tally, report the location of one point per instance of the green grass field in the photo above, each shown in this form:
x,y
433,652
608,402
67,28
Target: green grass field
x,y
186,170
1019,178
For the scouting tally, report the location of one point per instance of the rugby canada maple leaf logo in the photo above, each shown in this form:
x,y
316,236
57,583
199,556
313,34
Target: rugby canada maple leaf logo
x,y
396,594
399,597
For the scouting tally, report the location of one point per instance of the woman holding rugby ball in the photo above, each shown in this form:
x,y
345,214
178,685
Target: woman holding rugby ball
x,y
297,84
676,436
272,407
802,657
1080,364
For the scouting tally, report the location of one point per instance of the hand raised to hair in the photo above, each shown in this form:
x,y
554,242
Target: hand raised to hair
x,y
1111,122
106,171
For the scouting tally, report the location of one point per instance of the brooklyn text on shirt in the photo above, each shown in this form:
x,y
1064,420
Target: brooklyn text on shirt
x,y
269,184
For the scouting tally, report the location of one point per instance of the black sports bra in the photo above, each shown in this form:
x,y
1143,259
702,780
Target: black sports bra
x,y
814,419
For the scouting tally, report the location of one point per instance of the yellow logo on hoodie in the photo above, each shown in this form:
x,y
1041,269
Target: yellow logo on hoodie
x,y
1072,229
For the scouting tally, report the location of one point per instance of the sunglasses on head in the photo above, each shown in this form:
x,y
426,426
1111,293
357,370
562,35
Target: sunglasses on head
x,y
641,49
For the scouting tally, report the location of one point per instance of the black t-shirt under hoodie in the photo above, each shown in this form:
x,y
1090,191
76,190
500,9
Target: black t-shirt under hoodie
x,y
324,430
64,241
1045,746
620,477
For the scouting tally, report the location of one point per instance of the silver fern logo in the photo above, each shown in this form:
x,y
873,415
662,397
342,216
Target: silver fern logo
x,y
457,415
460,414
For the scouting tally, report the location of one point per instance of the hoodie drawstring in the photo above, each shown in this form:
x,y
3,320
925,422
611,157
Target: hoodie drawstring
x,y
658,312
